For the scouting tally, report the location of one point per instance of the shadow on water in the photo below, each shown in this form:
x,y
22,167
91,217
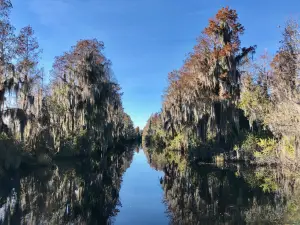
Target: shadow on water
x,y
82,192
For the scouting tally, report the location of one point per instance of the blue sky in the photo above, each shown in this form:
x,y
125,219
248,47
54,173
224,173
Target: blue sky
x,y
145,39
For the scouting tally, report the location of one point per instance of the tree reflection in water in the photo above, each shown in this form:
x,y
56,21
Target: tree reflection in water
x,y
227,194
85,192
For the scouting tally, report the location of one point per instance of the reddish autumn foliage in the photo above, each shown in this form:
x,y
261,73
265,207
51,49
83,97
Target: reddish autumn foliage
x,y
224,31
209,77
226,20
213,63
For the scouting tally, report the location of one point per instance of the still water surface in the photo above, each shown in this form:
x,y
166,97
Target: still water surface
x,y
148,187
141,194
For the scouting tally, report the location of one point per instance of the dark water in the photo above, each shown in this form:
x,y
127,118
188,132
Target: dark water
x,y
137,187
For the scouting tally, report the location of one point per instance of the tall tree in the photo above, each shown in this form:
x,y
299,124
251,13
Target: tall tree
x,y
28,52
8,80
202,95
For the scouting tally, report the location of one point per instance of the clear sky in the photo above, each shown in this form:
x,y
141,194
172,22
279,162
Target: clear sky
x,y
145,39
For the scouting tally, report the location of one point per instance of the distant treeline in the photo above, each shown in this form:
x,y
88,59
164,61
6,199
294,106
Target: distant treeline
x,y
222,104
78,112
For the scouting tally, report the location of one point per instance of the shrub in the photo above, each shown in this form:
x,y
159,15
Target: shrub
x,y
288,147
267,153
177,142
249,146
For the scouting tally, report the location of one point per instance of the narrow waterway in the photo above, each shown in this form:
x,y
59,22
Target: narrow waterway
x,y
141,194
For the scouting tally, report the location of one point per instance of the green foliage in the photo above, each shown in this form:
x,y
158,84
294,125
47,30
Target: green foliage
x,y
177,143
176,157
267,151
288,146
211,137
267,180
250,144
254,102
153,134
274,100
268,185
193,143
247,146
